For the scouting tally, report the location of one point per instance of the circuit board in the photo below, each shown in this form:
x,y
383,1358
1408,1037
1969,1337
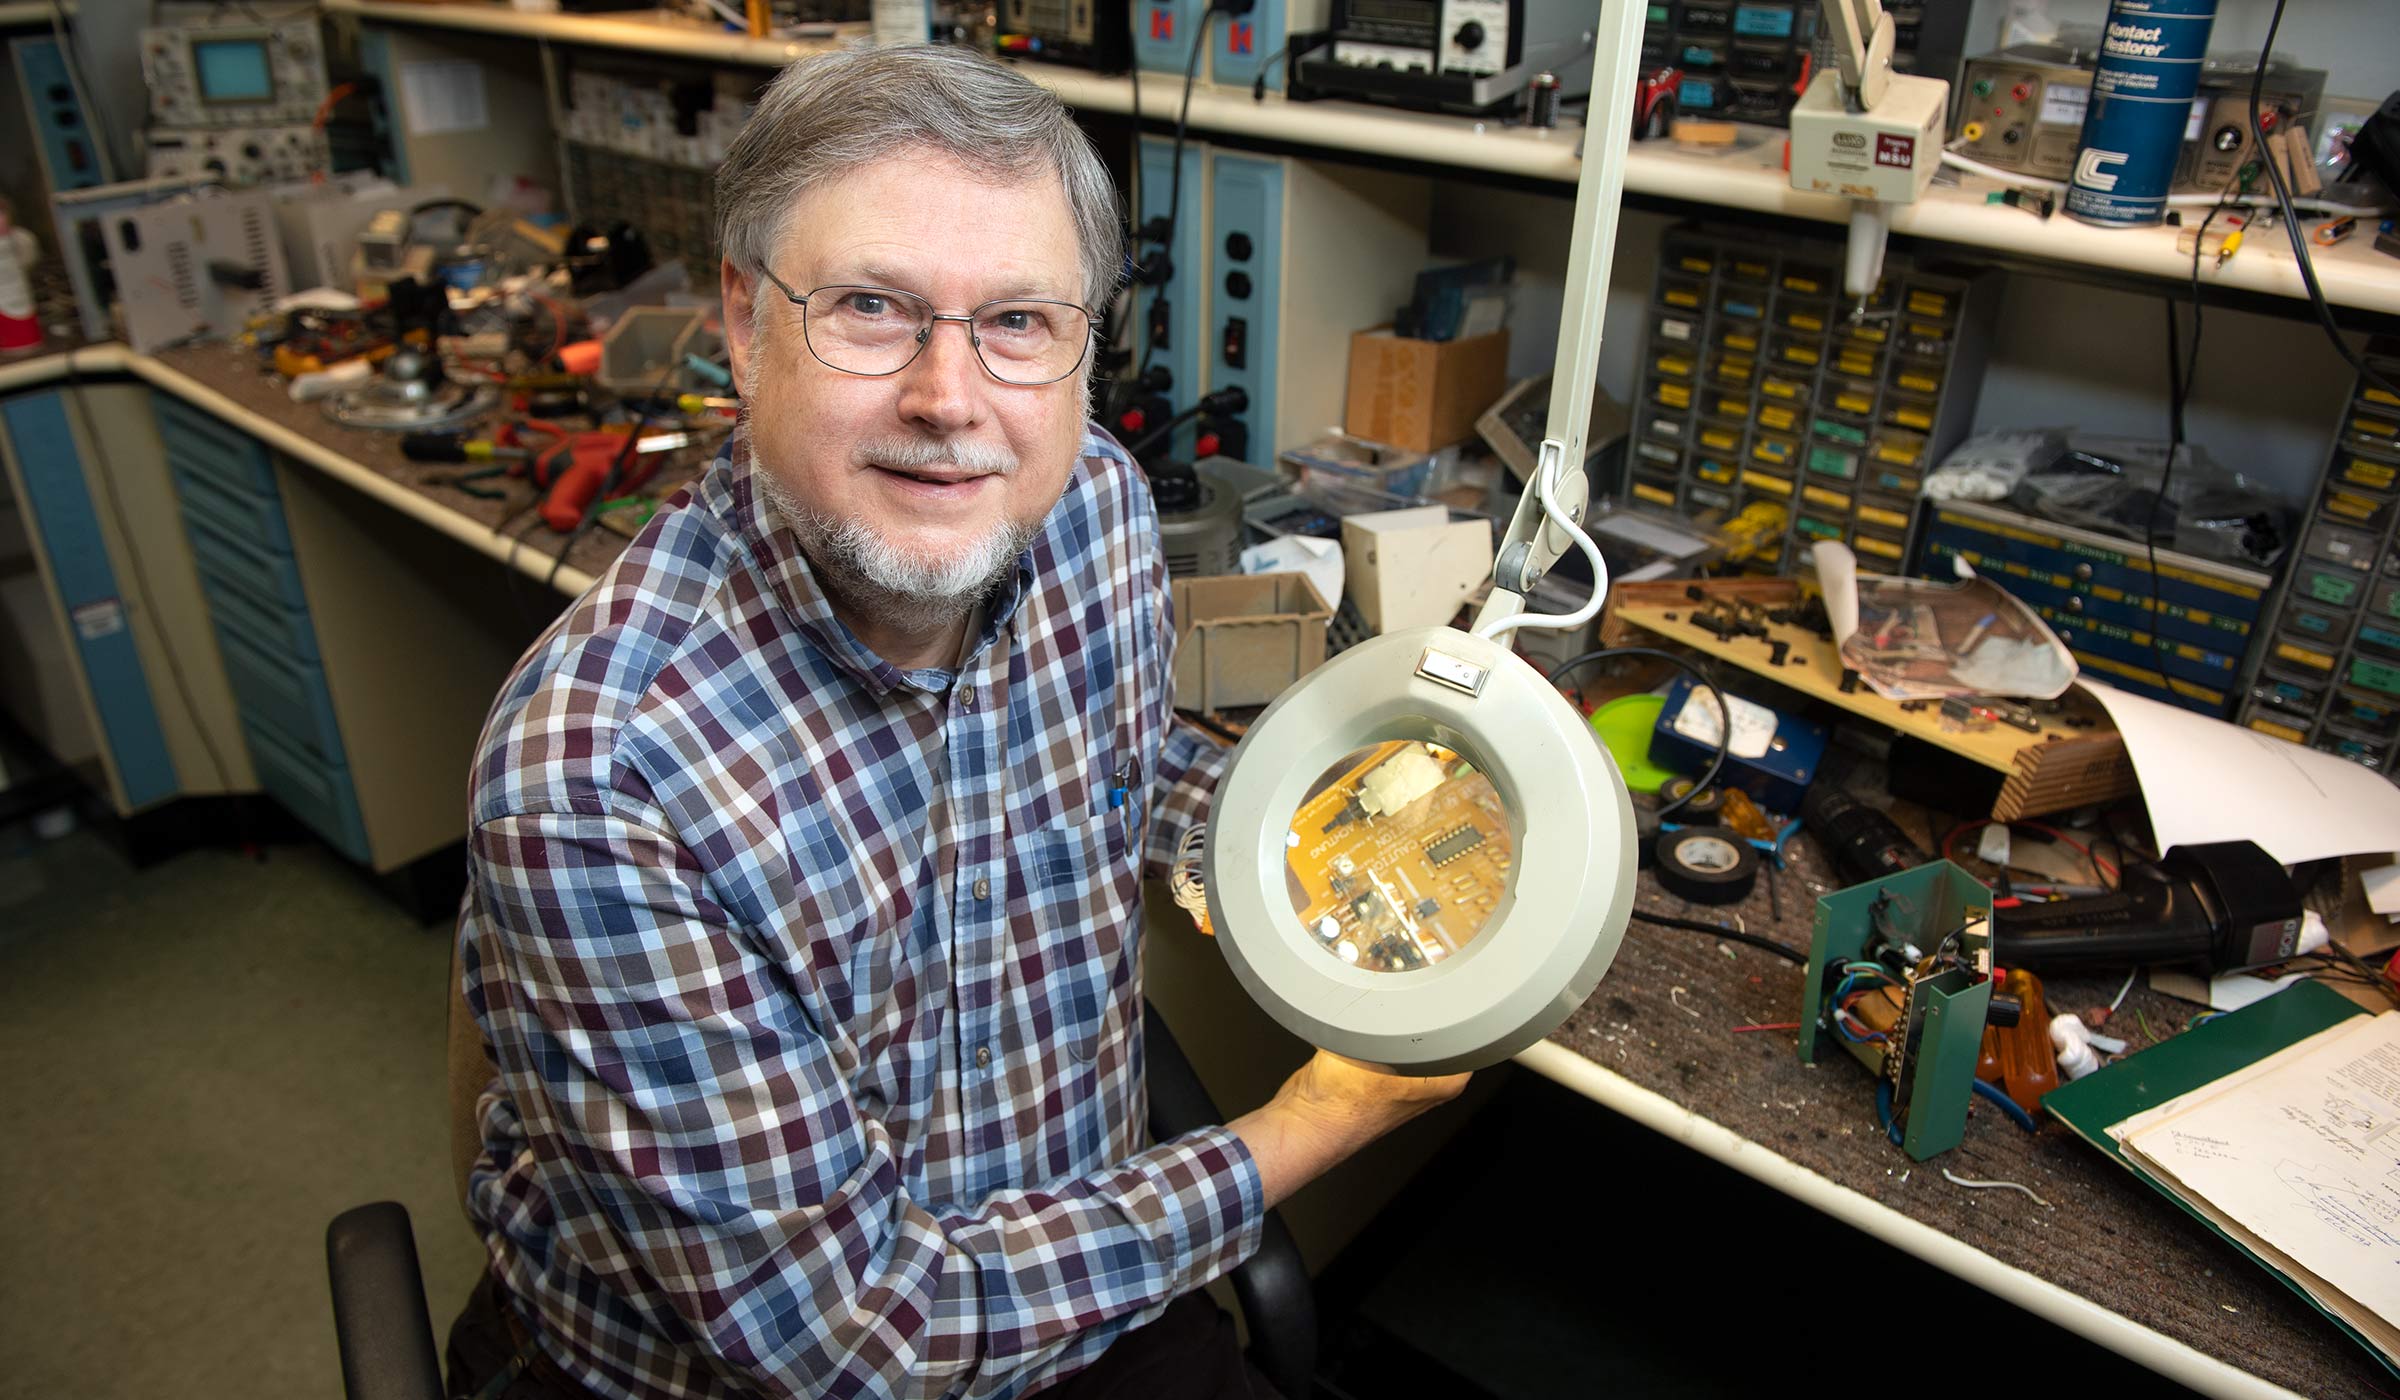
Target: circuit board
x,y
1400,861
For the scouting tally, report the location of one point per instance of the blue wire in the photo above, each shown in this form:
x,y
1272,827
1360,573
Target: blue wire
x,y
1883,1110
2008,1106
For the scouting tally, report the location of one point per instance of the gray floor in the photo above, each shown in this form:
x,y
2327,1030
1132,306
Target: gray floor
x,y
206,1061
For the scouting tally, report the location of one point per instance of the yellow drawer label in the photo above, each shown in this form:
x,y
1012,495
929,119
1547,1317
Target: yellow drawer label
x,y
1911,416
1851,401
1896,454
1743,342
1682,296
2290,651
1777,417
2342,505
2362,472
2281,731
1720,439
2374,395
1869,334
1802,354
1921,303
1678,365
1690,263
1804,321
1918,382
1734,370
1773,485
1657,496
1859,365
1733,408
1802,283
1750,271
2376,427
1675,395
1719,473
1877,515
1780,388
1818,495
1776,450
1876,544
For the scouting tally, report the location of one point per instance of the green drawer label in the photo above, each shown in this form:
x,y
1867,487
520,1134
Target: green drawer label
x,y
1826,461
2331,588
1836,431
2375,675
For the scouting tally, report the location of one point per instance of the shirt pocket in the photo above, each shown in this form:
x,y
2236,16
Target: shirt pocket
x,y
1079,883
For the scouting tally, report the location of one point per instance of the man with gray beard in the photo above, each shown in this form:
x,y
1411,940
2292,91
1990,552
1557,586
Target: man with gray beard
x,y
807,847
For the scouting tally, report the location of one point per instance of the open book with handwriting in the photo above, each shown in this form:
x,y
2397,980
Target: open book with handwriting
x,y
2296,1157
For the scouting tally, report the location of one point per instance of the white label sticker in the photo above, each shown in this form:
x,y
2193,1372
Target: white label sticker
x,y
104,617
1753,724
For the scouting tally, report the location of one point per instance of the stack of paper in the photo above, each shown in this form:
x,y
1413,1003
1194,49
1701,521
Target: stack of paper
x,y
2297,1158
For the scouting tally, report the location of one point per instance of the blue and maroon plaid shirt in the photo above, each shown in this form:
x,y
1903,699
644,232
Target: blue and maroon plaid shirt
x,y
815,985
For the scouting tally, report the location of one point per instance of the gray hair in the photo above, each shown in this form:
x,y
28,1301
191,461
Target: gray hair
x,y
824,117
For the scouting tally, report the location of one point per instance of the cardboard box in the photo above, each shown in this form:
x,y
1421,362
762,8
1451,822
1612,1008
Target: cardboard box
x,y
1422,395
1413,567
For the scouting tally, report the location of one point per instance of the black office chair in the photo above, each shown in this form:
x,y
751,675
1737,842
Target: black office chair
x,y
387,1345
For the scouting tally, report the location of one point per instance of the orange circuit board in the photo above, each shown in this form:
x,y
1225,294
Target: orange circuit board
x,y
1401,859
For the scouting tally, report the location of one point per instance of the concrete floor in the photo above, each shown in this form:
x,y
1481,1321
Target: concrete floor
x,y
207,1061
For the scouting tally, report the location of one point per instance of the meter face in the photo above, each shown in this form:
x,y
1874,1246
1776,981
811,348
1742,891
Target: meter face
x,y
1398,857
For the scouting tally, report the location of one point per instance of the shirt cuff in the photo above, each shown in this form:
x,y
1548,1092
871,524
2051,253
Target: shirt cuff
x,y
1215,1200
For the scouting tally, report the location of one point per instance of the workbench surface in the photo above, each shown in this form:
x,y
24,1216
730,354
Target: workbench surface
x,y
1664,1020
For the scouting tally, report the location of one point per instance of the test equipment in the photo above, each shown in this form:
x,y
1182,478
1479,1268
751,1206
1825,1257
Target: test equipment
x,y
238,155
1085,33
1449,55
250,75
2021,109
1868,133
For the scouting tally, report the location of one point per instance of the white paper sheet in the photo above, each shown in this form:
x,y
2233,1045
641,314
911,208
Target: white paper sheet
x,y
2205,780
2305,1157
2382,885
442,96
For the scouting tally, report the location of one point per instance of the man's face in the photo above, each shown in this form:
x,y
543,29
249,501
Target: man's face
x,y
941,463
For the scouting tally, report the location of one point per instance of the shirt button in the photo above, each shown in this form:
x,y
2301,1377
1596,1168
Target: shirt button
x,y
983,889
983,1056
966,696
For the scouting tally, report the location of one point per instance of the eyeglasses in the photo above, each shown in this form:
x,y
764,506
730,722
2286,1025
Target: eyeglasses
x,y
877,331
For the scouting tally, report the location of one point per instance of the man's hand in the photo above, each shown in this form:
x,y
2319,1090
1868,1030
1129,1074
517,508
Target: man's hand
x,y
1330,1108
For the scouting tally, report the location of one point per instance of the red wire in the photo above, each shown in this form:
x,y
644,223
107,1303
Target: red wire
x,y
1769,1026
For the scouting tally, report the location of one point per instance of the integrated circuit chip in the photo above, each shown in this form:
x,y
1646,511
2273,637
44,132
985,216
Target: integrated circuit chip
x,y
1449,848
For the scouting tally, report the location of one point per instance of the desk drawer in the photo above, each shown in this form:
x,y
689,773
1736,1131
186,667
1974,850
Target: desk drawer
x,y
319,794
213,448
236,604
269,576
276,693
252,518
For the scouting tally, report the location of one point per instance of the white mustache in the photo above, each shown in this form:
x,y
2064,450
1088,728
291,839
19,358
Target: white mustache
x,y
921,454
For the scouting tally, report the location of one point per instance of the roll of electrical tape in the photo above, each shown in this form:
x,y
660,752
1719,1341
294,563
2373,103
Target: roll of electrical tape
x,y
1706,865
1699,808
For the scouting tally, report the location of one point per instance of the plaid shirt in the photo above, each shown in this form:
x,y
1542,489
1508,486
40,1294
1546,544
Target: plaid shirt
x,y
814,984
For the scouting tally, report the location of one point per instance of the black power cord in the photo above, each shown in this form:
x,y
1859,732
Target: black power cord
x,y
1183,119
2183,372
1731,935
1699,676
2291,217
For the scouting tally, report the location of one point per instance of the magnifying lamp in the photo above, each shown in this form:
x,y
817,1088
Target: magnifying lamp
x,y
1420,856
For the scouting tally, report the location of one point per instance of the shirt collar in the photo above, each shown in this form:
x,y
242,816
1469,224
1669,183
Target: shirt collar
x,y
793,581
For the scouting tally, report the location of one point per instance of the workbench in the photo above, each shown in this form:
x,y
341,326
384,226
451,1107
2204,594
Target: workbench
x,y
2110,1260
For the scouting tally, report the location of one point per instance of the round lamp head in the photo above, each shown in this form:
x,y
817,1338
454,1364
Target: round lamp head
x,y
1420,857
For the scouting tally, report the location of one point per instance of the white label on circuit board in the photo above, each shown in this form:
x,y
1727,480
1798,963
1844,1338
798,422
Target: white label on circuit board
x,y
1753,724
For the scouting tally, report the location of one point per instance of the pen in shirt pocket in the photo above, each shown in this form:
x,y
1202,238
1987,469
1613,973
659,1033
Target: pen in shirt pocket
x,y
1122,797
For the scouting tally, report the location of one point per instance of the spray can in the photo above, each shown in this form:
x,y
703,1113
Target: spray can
x,y
2149,70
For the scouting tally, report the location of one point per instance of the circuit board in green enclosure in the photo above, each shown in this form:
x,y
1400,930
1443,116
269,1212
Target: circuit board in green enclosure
x,y
1401,861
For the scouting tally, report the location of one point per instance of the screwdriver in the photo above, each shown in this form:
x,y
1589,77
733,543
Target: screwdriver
x,y
449,447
